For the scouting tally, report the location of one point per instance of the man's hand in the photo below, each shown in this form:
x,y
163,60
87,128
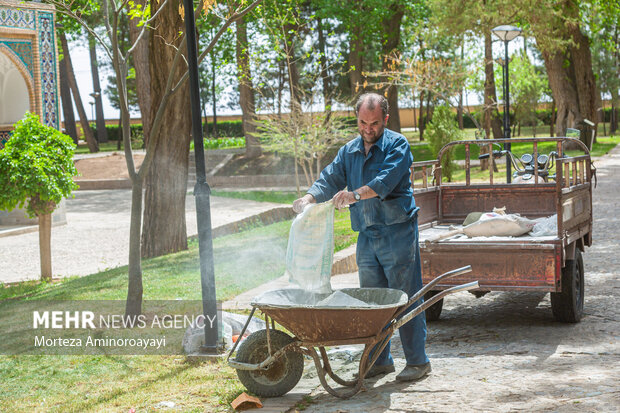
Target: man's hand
x,y
300,203
343,198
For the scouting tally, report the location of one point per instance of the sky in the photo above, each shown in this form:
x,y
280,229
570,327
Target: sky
x,y
81,65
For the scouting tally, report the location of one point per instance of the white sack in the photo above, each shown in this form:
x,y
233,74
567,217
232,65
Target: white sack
x,y
310,252
493,224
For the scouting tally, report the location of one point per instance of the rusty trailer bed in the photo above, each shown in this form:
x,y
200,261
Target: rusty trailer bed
x,y
506,263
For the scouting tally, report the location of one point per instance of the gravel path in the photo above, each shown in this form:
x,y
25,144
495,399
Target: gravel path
x,y
96,236
504,352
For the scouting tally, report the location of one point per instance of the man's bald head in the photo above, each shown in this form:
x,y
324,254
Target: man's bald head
x,y
371,101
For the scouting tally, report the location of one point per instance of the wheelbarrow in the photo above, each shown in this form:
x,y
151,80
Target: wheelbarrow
x,y
270,362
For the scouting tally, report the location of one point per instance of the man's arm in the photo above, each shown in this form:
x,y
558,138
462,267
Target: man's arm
x,y
331,180
344,198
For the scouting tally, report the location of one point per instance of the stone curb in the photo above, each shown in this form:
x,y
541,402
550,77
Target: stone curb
x,y
99,184
344,261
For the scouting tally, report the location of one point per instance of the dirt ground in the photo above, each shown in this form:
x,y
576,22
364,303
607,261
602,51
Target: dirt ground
x,y
112,166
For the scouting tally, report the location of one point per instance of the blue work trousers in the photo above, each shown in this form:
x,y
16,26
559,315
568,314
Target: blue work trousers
x,y
391,258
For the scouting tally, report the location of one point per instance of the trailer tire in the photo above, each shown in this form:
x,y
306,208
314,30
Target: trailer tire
x,y
283,374
434,311
567,305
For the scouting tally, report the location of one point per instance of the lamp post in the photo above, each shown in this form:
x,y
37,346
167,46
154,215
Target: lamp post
x,y
506,34
202,191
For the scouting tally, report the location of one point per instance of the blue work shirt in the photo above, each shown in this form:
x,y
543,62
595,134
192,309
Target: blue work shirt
x,y
385,169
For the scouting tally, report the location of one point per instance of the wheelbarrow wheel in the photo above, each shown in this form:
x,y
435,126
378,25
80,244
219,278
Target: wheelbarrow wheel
x,y
281,376
434,311
567,305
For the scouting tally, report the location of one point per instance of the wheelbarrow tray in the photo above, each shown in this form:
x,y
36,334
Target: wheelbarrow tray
x,y
296,311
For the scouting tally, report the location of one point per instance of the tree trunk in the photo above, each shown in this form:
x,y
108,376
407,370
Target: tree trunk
x,y
492,118
133,305
93,146
571,77
355,63
67,103
281,74
391,43
45,245
290,31
246,92
102,133
143,76
421,120
213,96
459,110
164,229
553,115
327,89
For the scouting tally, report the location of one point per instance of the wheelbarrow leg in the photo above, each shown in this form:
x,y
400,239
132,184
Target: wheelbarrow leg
x,y
357,384
334,376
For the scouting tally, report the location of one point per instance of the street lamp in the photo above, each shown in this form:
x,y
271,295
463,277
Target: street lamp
x,y
95,96
506,34
202,191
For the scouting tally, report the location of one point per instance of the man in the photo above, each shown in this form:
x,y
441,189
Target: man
x,y
374,167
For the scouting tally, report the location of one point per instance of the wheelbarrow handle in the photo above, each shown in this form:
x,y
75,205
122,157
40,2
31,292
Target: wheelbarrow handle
x,y
430,285
413,313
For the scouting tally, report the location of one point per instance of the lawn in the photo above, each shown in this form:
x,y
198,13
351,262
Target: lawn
x,y
120,383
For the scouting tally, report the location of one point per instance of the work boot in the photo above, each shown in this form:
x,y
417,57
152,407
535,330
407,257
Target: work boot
x,y
377,370
411,373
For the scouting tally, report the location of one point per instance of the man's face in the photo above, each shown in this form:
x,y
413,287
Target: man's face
x,y
371,123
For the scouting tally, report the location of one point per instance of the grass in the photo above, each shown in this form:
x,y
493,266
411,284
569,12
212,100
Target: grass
x,y
104,383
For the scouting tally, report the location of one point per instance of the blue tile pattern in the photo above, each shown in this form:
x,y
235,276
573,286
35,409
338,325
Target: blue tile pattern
x,y
49,83
4,137
23,50
18,18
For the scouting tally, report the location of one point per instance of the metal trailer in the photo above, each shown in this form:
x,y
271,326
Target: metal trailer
x,y
551,264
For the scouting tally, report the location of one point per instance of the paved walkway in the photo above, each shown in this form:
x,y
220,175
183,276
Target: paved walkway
x,y
96,236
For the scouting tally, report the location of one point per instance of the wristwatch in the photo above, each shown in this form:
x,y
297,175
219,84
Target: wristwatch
x,y
357,196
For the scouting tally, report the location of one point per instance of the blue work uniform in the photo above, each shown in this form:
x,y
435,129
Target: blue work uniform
x,y
388,253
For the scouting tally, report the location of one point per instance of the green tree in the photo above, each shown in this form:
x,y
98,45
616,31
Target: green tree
x,y
36,169
604,21
442,130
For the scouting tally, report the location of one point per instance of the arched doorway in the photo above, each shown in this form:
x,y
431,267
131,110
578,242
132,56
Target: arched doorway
x,y
14,91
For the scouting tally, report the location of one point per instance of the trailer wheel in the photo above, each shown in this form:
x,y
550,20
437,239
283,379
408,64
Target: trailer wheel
x,y
567,305
283,374
434,311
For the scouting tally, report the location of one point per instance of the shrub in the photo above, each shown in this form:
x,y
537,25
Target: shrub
x,y
226,128
442,130
114,132
36,165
